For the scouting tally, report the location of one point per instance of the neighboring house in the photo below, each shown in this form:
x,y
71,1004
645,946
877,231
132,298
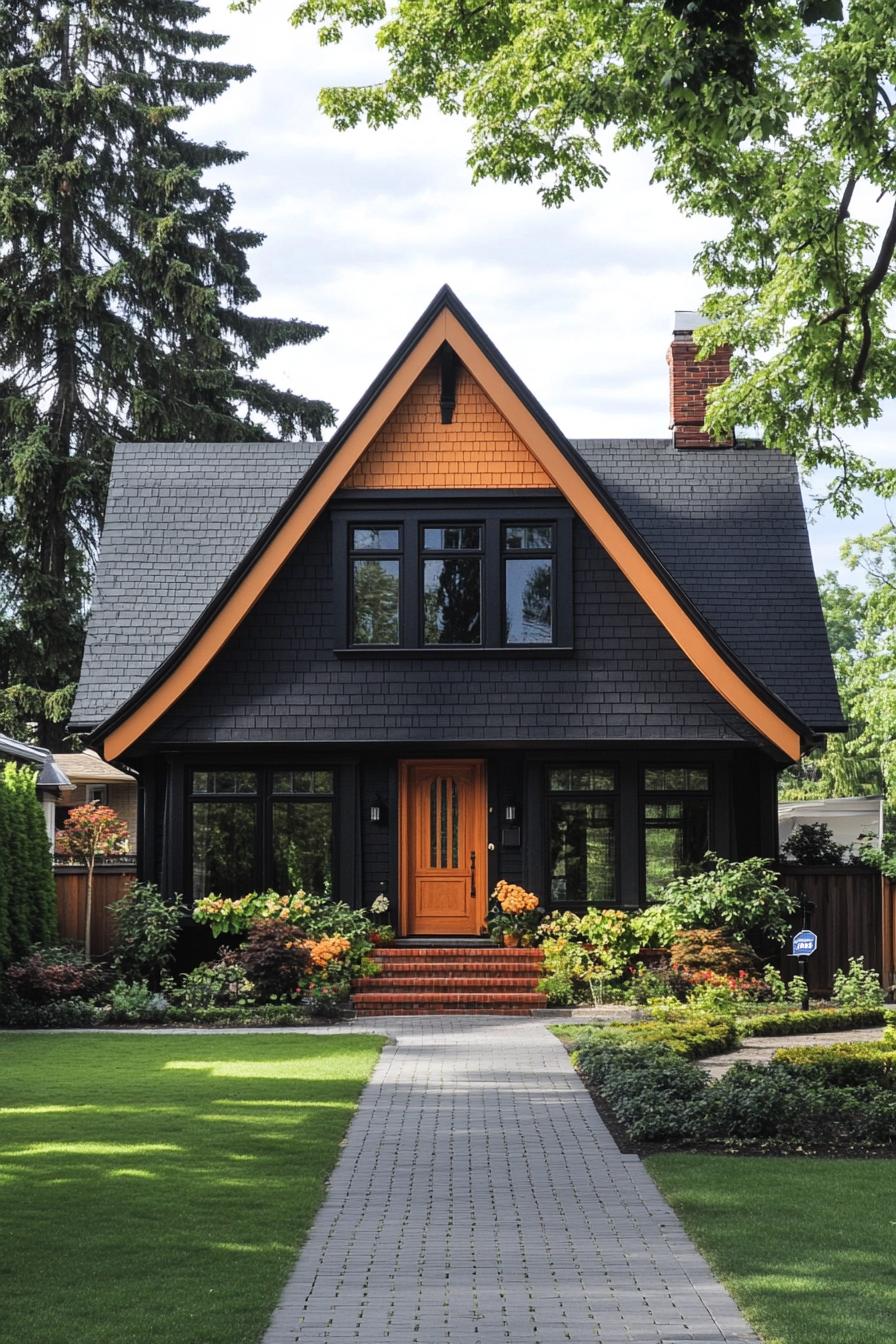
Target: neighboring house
x,y
452,645
51,782
851,820
95,781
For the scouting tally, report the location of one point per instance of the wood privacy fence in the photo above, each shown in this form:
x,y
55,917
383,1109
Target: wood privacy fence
x,y
109,883
854,916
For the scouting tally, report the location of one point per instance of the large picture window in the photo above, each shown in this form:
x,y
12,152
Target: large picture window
x,y
582,825
676,821
480,581
253,829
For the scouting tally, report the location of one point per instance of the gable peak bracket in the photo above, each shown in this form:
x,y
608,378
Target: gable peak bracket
x,y
447,383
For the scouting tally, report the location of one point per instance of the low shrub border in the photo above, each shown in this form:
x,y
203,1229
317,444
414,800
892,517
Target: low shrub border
x,y
659,1098
80,1013
808,1023
845,1064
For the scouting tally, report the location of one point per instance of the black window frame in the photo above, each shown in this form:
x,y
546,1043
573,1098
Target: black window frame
x,y
263,799
613,796
652,795
492,516
355,553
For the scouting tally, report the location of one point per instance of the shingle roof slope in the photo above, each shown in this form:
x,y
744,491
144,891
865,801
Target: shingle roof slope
x,y
179,518
728,525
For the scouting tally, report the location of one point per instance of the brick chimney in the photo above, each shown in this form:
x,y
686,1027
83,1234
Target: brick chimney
x,y
689,382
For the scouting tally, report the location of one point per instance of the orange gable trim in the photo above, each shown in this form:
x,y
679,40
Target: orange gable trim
x,y
445,326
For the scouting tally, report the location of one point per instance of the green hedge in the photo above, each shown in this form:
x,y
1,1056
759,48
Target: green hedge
x,y
846,1064
808,1023
27,886
659,1097
691,1038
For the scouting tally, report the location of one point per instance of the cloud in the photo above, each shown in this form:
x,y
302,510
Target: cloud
x,y
363,227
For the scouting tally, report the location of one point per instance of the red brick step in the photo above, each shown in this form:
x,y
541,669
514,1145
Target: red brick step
x,y
451,980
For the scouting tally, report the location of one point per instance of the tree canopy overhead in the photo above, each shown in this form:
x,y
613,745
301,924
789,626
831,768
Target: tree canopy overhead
x,y
776,116
124,302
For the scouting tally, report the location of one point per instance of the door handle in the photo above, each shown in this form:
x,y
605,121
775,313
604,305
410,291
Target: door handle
x,y
472,874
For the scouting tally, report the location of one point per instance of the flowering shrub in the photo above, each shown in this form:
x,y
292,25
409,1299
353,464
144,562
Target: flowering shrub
x,y
325,950
513,910
228,915
211,984
714,993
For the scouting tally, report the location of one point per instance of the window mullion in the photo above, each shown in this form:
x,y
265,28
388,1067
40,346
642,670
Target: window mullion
x,y
492,586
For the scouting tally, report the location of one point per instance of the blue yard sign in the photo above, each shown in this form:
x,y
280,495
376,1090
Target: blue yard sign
x,y
804,943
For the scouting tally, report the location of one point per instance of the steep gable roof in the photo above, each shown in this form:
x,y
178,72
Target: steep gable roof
x,y
447,321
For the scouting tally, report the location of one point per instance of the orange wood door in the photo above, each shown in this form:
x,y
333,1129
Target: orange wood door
x,y
443,837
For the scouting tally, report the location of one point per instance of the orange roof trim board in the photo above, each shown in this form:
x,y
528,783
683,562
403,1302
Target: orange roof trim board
x,y
446,320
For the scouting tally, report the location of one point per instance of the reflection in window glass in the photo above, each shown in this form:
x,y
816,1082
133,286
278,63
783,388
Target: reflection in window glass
x,y
375,539
676,779
583,779
522,538
451,601
375,598
528,601
462,538
676,837
223,848
303,781
583,852
302,855
224,781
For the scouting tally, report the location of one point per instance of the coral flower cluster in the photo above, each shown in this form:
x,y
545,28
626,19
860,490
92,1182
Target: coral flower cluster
x,y
326,950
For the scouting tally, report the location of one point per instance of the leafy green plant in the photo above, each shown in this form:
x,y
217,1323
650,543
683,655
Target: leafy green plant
x,y
74,1012
211,983
654,926
740,896
590,953
781,990
146,931
136,1002
857,987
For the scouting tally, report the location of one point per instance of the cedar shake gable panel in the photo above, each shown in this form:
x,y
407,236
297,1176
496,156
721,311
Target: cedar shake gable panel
x,y
393,394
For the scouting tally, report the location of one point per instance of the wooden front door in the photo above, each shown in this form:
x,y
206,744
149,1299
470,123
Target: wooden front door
x,y
443,836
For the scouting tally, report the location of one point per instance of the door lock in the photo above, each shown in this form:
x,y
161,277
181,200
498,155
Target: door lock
x,y
491,848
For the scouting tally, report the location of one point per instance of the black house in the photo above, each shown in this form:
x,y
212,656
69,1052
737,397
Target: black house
x,y
452,645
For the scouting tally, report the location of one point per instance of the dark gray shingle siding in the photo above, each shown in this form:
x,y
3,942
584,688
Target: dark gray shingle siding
x,y
277,679
729,526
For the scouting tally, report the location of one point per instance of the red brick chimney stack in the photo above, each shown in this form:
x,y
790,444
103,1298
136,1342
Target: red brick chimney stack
x,y
689,382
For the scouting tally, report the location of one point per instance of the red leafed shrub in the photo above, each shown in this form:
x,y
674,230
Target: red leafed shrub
x,y
53,974
275,958
709,950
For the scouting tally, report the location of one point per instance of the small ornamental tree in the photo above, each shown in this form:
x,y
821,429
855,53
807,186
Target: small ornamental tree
x,y
88,832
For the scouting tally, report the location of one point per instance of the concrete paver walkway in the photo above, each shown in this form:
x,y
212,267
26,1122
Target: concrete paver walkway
x,y
480,1199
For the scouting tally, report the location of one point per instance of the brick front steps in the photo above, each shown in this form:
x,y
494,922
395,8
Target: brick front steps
x,y
442,979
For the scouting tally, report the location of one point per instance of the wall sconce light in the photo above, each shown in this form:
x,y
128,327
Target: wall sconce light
x,y
377,813
510,812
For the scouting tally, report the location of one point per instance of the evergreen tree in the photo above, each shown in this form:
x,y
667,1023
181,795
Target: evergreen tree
x,y
123,295
27,885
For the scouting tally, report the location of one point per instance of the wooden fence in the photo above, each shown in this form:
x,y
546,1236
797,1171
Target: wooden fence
x,y
109,883
854,916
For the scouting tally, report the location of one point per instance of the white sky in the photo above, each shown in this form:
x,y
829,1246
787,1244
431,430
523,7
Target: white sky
x,y
362,229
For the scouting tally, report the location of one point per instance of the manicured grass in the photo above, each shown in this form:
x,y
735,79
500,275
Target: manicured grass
x,y
804,1244
156,1188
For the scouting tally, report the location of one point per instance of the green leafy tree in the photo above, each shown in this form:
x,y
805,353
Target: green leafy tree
x,y
27,885
124,289
862,629
776,116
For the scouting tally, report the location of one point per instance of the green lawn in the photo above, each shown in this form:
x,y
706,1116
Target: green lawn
x,y
806,1245
154,1189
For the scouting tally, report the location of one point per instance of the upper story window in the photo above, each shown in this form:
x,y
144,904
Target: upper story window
x,y
488,579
